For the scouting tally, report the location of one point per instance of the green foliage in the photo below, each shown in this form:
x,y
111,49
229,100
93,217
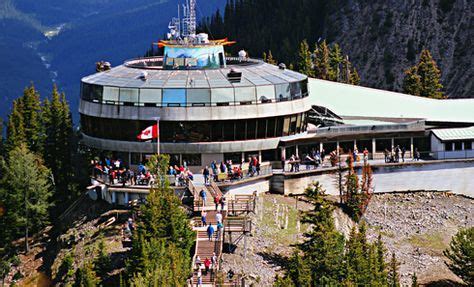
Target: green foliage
x,y
163,239
326,259
15,127
305,65
57,124
357,195
86,276
414,280
25,190
461,255
102,263
66,269
393,276
270,58
322,67
424,78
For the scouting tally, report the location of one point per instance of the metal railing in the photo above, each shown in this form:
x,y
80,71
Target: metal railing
x,y
416,125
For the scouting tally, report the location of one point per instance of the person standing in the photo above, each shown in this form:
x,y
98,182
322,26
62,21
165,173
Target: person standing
x,y
203,196
366,156
206,173
207,265
203,218
222,202
217,199
218,217
403,153
210,232
199,276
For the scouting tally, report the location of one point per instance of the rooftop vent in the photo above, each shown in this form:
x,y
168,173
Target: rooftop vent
x,y
102,66
234,76
143,75
282,66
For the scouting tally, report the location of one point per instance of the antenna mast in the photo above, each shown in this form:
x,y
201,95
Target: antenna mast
x,y
189,18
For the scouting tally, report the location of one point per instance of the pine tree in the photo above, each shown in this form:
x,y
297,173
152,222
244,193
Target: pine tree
x,y
86,277
412,82
102,263
270,58
324,247
57,147
1,138
430,76
26,190
414,280
283,282
393,277
424,79
354,77
15,128
335,61
304,60
31,111
322,67
460,255
163,237
299,271
381,266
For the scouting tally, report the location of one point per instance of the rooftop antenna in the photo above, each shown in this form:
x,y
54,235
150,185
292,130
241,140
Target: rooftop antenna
x,y
189,18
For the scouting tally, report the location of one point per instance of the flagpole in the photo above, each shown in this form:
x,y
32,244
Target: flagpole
x,y
158,137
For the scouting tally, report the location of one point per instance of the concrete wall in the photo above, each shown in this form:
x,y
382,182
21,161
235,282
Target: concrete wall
x,y
260,186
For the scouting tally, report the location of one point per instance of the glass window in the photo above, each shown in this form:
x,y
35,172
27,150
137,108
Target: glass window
x,y
298,123
271,125
261,128
128,95
110,95
222,95
467,145
269,155
265,94
304,88
229,130
174,159
192,159
457,145
282,92
295,90
174,97
235,157
216,131
198,97
92,93
240,130
251,129
382,144
279,126
245,95
286,126
150,97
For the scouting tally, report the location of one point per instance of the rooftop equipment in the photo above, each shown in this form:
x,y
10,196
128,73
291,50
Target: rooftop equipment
x,y
234,76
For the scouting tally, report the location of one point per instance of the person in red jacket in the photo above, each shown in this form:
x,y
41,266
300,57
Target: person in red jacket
x,y
207,265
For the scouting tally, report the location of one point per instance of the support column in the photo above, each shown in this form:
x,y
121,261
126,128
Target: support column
x,y
180,159
296,150
355,145
412,149
129,158
337,147
393,144
374,147
259,156
283,156
243,157
321,147
114,197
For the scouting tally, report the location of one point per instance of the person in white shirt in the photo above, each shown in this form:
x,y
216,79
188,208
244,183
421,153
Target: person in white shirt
x,y
219,217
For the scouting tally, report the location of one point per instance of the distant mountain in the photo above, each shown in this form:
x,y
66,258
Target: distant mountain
x,y
60,40
382,38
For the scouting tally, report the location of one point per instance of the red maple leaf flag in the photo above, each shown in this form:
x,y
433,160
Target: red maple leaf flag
x,y
149,133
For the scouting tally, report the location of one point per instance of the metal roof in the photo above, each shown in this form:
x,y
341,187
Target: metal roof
x,y
260,74
455,134
356,101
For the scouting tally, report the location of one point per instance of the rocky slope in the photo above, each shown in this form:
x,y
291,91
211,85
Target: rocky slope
x,y
384,38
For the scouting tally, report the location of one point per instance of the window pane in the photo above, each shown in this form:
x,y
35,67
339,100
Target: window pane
x,y
110,95
251,129
282,92
216,131
295,90
286,126
261,128
198,97
304,88
192,159
245,95
174,97
265,94
457,145
129,95
298,123
150,96
229,130
222,95
271,127
235,157
240,130
467,145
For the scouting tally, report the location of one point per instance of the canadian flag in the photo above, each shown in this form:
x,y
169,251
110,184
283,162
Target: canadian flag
x,y
149,133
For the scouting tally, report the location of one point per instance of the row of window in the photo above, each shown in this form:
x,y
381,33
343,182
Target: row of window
x,y
197,131
458,145
193,96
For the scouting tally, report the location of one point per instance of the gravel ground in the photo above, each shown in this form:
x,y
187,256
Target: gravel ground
x,y
416,226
